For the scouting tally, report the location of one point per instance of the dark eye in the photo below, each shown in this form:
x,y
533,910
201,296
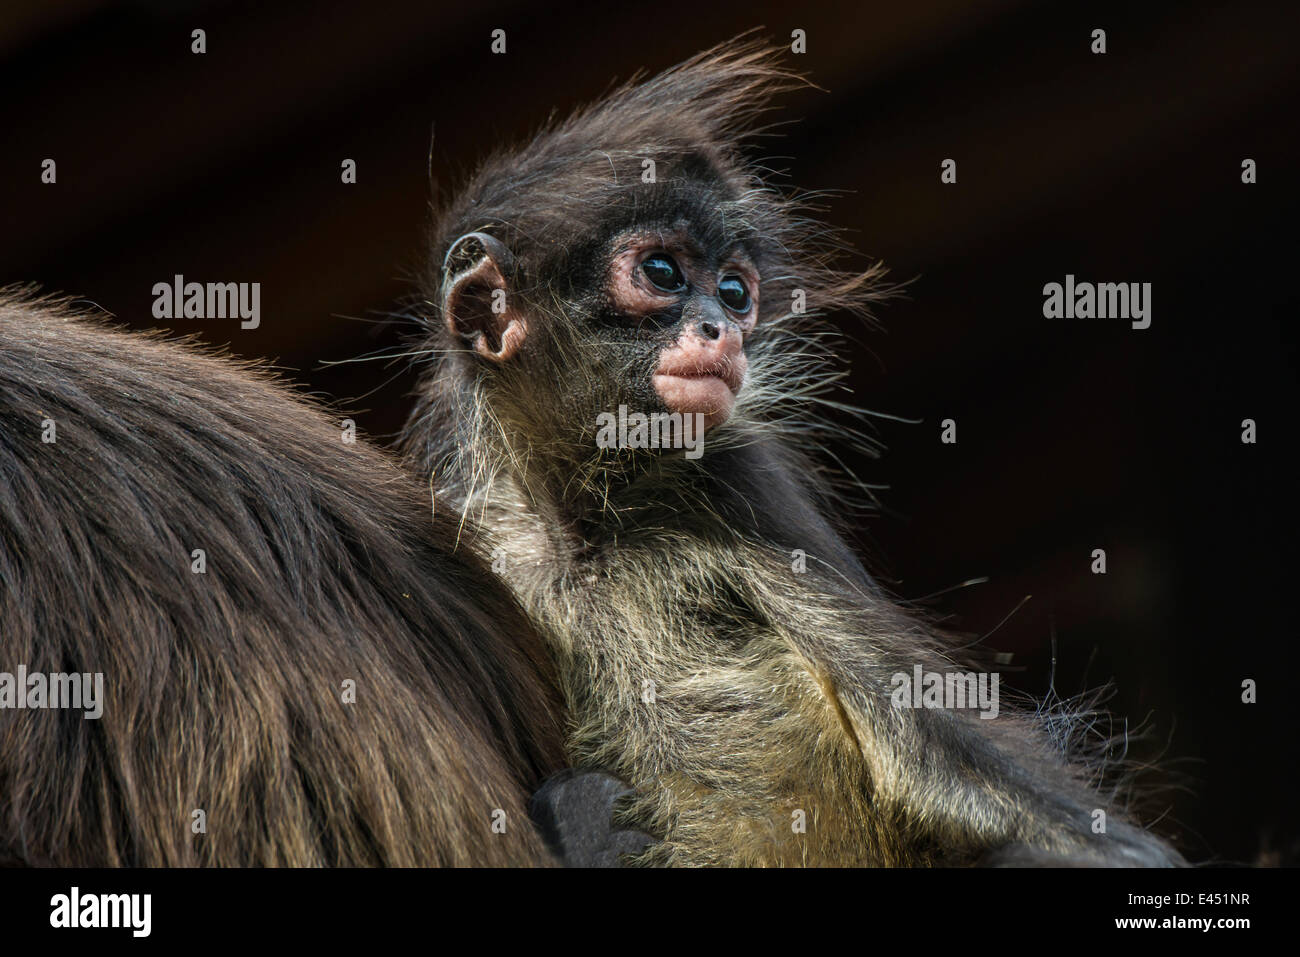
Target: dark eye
x,y
663,273
733,294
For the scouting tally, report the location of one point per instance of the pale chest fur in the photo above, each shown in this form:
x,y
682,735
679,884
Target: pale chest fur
x,y
676,684
736,752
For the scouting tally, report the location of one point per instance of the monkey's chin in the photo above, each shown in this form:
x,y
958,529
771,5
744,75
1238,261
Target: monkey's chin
x,y
707,395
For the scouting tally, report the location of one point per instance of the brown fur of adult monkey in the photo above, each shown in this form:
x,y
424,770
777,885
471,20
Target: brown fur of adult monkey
x,y
222,691
652,568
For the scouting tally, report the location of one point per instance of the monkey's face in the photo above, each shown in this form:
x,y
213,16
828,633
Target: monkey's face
x,y
649,319
685,309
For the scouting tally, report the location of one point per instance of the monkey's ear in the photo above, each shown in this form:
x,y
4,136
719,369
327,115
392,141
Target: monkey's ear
x,y
476,296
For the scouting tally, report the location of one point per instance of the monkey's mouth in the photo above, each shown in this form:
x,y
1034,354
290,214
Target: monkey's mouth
x,y
706,388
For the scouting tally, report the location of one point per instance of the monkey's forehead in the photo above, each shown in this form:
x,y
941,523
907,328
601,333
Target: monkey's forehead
x,y
711,219
714,218
563,219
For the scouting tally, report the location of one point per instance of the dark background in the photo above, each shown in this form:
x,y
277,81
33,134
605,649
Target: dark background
x,y
1072,434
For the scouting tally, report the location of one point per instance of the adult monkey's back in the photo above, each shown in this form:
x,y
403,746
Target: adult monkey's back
x,y
223,674
629,261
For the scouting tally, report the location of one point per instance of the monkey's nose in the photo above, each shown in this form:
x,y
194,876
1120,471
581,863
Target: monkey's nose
x,y
711,330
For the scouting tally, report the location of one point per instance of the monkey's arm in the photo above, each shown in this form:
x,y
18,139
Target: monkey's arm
x,y
997,789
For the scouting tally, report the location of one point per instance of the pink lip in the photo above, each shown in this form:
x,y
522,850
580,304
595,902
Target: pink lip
x,y
732,372
705,388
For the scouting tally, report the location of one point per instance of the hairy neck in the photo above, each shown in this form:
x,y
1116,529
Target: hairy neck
x,y
758,490
760,493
